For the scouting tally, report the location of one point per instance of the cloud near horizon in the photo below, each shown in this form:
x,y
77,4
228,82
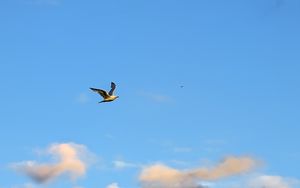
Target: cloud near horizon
x,y
25,185
71,160
162,176
267,181
113,185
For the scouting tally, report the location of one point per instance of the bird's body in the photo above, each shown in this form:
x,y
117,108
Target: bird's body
x,y
107,97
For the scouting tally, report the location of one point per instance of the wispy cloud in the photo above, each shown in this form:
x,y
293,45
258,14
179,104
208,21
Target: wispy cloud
x,y
109,136
162,176
71,160
119,164
213,145
113,185
179,162
25,185
156,97
82,98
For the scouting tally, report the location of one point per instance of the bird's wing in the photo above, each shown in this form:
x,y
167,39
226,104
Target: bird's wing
x,y
101,92
113,87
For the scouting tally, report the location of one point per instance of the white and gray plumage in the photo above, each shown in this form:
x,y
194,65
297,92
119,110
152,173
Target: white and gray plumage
x,y
107,97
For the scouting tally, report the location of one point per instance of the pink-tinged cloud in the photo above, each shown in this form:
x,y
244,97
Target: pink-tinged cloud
x,y
71,161
162,176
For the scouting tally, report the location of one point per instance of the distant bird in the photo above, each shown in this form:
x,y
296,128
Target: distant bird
x,y
107,97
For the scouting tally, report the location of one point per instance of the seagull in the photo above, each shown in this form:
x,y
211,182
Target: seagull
x,y
107,97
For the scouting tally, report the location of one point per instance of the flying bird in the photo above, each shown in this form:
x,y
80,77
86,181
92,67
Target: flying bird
x,y
107,97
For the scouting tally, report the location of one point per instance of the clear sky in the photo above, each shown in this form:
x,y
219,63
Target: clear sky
x,y
237,60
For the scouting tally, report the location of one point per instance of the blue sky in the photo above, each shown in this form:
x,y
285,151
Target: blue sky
x,y
237,60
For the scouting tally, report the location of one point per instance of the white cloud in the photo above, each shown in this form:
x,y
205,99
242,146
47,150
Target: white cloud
x,y
71,160
25,185
113,185
255,180
119,164
266,181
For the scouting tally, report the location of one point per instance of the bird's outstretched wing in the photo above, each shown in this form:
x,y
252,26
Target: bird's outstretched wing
x,y
101,92
113,87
